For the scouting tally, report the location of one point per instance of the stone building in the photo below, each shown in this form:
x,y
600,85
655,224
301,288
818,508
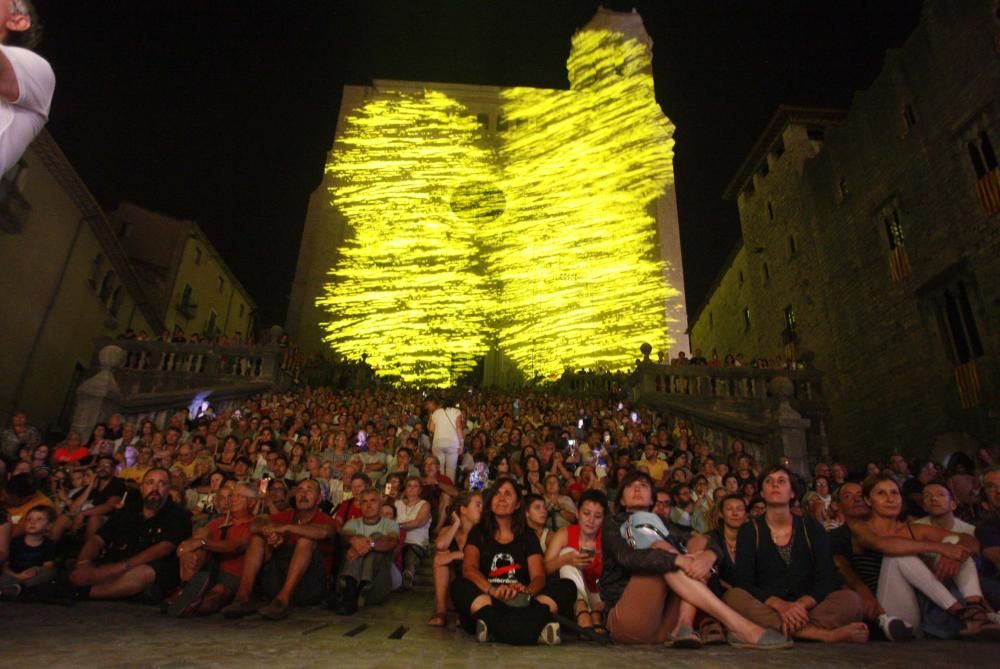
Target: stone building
x,y
871,246
325,228
187,280
66,281
73,274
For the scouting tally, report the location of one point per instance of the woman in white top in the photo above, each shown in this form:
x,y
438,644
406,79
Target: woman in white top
x,y
447,425
414,516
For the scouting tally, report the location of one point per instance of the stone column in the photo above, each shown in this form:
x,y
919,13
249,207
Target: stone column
x,y
99,396
788,428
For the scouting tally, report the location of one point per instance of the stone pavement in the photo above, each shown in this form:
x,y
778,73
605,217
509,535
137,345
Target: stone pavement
x,y
392,636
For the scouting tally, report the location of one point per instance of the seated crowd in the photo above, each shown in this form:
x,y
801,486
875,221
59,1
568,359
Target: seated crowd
x,y
535,515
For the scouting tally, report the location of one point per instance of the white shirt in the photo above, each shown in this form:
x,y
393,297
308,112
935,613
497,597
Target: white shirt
x,y
958,527
445,423
404,514
21,120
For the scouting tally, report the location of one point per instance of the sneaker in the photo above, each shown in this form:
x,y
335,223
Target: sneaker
x,y
550,635
895,629
239,609
482,632
276,610
188,601
11,592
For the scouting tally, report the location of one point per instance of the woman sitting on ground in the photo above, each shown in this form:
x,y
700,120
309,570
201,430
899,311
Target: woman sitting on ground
x,y
892,548
414,517
574,552
465,512
785,577
725,521
644,587
502,594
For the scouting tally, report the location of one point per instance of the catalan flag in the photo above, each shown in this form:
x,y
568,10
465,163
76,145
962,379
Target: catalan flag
x,y
988,188
967,378
899,264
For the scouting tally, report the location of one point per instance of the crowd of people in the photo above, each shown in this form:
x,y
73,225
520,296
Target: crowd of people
x,y
538,516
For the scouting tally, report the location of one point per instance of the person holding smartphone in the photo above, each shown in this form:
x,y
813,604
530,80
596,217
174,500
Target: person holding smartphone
x,y
574,552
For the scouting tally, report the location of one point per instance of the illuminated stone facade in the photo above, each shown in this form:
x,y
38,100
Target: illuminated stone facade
x,y
871,246
536,148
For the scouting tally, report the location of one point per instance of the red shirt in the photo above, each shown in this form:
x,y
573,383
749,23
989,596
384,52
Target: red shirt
x,y
318,518
349,509
593,572
231,563
64,455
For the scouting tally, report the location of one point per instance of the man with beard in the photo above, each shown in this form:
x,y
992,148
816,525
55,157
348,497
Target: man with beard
x,y
135,550
104,493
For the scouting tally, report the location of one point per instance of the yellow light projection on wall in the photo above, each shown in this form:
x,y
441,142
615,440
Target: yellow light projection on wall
x,y
405,292
544,248
582,282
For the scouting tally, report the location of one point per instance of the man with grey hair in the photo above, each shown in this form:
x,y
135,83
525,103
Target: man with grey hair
x,y
26,81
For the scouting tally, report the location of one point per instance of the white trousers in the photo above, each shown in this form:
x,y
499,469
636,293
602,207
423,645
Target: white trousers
x,y
901,578
591,599
447,455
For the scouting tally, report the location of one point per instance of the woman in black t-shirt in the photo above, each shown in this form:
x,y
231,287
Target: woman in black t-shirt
x,y
502,594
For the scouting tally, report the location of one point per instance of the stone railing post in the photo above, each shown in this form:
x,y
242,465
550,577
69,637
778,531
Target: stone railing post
x,y
99,396
788,436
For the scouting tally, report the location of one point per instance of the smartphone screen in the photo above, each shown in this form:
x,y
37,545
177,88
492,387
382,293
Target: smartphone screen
x,y
263,485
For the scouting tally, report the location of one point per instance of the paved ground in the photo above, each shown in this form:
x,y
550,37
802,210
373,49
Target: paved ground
x,y
113,636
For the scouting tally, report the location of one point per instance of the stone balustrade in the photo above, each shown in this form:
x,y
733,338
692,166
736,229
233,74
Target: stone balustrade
x,y
151,379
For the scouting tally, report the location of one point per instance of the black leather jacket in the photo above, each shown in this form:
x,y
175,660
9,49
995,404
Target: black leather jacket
x,y
621,561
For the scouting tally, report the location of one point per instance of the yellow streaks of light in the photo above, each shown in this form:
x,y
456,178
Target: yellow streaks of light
x,y
558,218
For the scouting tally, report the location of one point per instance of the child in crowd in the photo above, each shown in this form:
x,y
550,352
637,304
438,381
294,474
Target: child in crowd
x,y
32,555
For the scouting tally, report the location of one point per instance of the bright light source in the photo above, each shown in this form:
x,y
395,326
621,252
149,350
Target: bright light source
x,y
544,247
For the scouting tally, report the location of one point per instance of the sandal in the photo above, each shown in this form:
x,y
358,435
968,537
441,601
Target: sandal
x,y
976,619
599,627
711,632
439,619
685,637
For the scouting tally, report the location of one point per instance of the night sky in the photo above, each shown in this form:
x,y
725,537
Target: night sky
x,y
223,111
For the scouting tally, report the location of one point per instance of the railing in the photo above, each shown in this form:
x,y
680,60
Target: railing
x,y
153,378
156,366
773,412
592,384
732,383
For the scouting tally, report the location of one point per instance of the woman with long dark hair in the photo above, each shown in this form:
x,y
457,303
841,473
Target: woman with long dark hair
x,y
502,594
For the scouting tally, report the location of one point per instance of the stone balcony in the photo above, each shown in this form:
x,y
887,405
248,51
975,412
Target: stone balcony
x,y
150,379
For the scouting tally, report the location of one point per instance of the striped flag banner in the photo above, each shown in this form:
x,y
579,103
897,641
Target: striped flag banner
x,y
899,264
988,188
967,378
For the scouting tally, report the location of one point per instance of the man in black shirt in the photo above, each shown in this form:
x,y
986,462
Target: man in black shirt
x,y
135,549
105,496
